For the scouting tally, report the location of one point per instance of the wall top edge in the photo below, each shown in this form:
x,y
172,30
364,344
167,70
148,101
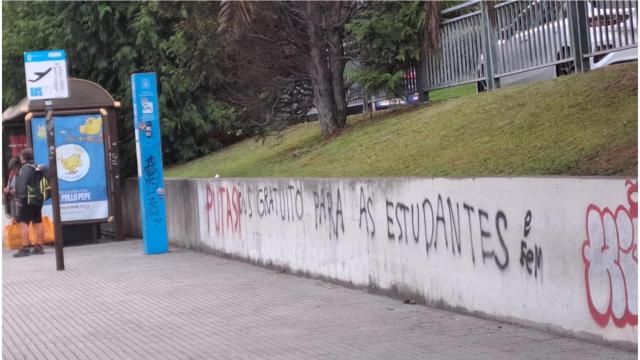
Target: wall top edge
x,y
552,177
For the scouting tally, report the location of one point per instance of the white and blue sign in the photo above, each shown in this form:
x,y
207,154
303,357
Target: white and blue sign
x,y
146,125
46,74
81,166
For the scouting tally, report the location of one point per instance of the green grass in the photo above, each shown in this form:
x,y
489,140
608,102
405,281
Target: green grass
x,y
546,128
452,92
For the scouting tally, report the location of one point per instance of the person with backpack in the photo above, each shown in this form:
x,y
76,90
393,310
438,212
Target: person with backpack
x,y
31,192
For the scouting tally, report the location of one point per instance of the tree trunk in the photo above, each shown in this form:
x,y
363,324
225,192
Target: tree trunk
x,y
337,63
326,68
321,82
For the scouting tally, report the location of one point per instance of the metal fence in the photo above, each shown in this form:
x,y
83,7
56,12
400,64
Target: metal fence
x,y
482,44
531,35
459,56
612,26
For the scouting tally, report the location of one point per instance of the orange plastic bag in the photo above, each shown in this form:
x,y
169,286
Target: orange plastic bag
x,y
47,228
12,236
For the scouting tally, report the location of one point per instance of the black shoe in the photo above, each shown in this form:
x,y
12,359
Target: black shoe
x,y
37,250
22,253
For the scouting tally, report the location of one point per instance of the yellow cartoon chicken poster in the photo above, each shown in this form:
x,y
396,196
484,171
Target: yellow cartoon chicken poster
x,y
81,165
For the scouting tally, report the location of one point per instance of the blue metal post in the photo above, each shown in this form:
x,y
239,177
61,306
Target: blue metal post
x,y
149,152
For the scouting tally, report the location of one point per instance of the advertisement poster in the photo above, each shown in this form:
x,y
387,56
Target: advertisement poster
x,y
82,176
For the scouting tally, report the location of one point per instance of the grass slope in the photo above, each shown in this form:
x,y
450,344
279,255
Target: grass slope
x,y
452,92
548,128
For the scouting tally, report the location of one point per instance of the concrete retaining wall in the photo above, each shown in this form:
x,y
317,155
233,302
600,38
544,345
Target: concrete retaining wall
x,y
182,219
555,253
131,208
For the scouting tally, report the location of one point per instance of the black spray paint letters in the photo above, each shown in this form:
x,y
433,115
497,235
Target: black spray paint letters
x,y
530,257
485,235
153,181
246,204
366,214
329,209
285,203
435,223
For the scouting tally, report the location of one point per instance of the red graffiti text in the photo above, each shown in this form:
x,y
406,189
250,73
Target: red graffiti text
x,y
610,256
224,206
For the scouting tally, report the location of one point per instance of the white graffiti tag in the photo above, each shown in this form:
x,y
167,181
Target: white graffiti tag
x,y
611,262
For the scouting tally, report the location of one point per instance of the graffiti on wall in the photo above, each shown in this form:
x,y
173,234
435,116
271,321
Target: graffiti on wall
x,y
530,255
223,208
438,225
225,205
610,255
453,228
151,177
366,214
328,208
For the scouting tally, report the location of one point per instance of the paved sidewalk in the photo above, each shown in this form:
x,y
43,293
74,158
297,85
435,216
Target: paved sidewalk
x,y
112,302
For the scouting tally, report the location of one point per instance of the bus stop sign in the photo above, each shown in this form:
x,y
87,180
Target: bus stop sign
x,y
46,74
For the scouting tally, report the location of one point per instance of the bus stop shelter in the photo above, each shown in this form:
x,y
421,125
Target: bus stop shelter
x,y
87,154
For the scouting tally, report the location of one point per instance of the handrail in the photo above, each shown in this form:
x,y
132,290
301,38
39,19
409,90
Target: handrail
x,y
448,21
506,3
460,6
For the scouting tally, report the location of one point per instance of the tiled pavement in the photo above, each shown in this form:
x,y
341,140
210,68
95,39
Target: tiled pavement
x,y
113,302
